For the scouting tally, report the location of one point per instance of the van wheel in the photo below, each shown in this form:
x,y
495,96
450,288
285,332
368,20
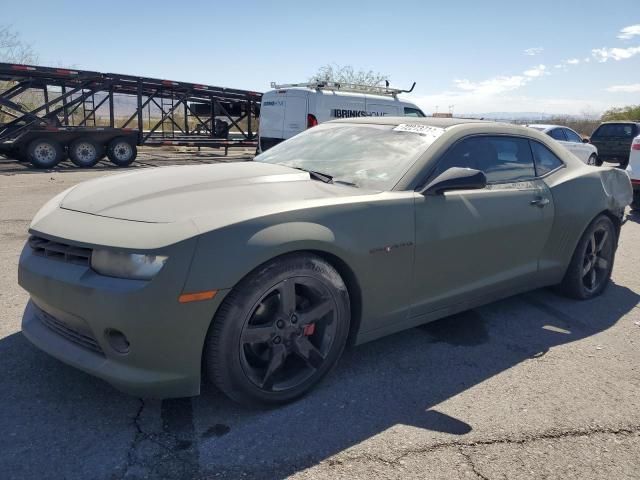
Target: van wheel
x,y
592,262
85,152
122,151
45,153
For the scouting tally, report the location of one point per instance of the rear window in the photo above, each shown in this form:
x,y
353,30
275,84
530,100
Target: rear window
x,y
412,112
618,130
546,160
558,134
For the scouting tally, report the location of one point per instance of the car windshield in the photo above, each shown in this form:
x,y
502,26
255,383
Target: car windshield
x,y
365,155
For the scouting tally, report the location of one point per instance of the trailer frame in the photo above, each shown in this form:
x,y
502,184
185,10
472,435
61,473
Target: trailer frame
x,y
70,100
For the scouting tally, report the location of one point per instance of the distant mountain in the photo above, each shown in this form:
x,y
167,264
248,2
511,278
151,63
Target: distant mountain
x,y
520,116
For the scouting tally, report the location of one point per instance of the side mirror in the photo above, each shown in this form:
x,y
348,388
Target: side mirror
x,y
456,178
586,140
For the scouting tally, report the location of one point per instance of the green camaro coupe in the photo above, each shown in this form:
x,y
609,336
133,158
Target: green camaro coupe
x,y
259,273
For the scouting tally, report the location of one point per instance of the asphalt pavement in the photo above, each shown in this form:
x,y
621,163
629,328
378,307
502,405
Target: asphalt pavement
x,y
534,386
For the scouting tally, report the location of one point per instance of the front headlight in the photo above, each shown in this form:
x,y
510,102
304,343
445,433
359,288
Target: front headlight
x,y
137,266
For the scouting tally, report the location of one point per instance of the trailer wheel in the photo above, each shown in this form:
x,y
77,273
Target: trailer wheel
x,y
85,152
45,153
121,151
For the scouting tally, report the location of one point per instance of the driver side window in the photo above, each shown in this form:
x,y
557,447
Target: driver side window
x,y
502,158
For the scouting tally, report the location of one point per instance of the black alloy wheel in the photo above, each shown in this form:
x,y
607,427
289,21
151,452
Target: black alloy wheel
x,y
279,331
590,269
597,259
288,334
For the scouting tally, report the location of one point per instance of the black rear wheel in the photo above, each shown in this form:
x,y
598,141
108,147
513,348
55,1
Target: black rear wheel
x,y
592,262
279,331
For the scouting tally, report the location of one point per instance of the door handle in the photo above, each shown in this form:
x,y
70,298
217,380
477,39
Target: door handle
x,y
539,202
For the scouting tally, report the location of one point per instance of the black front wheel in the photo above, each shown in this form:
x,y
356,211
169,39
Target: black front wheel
x,y
279,331
590,269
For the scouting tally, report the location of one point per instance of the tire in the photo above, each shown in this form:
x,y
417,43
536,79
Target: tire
x,y
279,331
45,153
122,151
589,272
593,160
85,152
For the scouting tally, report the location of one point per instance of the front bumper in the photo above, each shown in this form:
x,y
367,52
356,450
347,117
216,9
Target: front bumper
x,y
72,308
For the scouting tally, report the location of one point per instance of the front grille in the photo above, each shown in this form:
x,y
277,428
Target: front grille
x,y
69,333
60,251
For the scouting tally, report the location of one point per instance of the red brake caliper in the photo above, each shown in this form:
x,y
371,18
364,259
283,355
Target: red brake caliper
x,y
309,329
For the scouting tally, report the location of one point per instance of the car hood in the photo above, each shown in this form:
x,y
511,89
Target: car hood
x,y
172,194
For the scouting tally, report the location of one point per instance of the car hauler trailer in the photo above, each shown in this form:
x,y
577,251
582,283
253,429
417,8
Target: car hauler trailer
x,y
48,114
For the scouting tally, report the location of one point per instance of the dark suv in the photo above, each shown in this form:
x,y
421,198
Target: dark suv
x,y
613,141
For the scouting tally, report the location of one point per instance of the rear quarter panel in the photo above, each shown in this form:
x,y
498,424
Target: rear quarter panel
x,y
579,195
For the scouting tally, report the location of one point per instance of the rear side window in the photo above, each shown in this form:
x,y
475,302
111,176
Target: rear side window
x,y
557,134
501,158
619,130
546,160
572,136
412,112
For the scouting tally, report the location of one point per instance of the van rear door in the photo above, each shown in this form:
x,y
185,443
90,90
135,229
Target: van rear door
x,y
272,110
295,113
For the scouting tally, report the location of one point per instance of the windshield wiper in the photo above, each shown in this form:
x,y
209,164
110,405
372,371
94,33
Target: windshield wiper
x,y
345,182
323,177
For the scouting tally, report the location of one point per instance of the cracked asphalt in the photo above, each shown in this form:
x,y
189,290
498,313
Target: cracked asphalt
x,y
534,386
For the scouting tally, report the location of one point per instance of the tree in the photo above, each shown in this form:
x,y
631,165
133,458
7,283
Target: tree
x,y
630,112
347,74
13,49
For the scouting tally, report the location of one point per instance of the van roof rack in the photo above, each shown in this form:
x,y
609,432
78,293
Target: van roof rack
x,y
346,87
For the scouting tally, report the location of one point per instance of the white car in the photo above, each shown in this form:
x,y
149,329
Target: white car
x,y
291,108
633,169
571,141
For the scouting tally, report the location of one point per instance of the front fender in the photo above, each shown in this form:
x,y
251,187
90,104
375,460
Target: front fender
x,y
224,257
375,240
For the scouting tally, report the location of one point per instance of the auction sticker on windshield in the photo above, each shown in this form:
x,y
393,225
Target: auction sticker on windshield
x,y
419,128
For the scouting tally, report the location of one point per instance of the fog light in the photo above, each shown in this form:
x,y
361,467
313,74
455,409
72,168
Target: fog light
x,y
117,340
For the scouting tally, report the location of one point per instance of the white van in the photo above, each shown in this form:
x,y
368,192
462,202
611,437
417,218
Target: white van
x,y
289,109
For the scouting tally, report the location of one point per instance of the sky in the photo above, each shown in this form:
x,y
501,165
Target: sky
x,y
555,57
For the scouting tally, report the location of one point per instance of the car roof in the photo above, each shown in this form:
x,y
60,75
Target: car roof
x,y
630,122
545,126
430,121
